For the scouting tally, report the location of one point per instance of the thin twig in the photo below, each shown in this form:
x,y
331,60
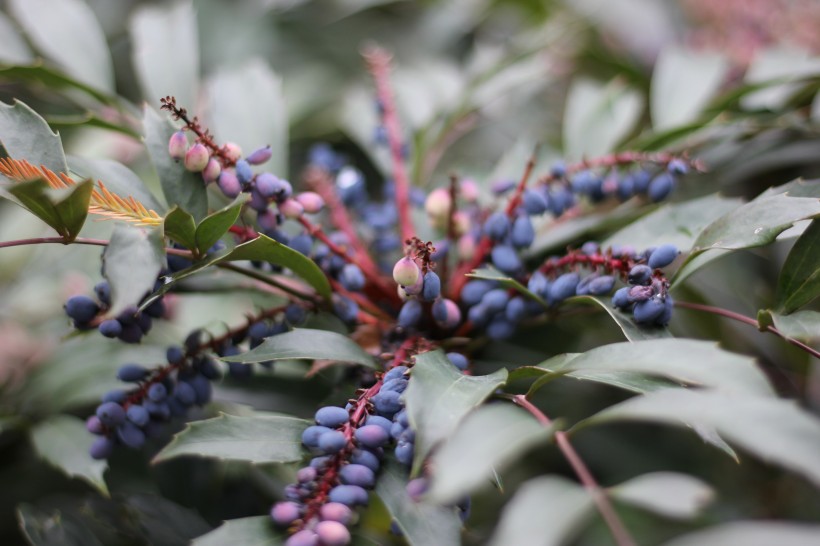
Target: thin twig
x,y
79,241
616,526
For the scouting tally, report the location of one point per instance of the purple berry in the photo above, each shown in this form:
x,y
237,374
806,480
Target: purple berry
x,y
332,441
446,313
177,145
335,511
505,259
332,416
102,448
357,474
81,308
110,414
332,533
305,537
523,234
365,457
640,275
662,256
404,452
285,513
311,202
243,172
372,436
185,394
212,170
563,287
380,421
110,328
131,435
417,487
350,495
431,288
410,314
259,156
229,184
138,415
94,425
157,392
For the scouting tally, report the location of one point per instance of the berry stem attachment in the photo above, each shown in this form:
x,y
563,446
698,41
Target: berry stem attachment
x,y
616,526
378,63
192,124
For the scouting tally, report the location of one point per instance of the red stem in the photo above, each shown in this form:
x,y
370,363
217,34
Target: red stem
x,y
607,511
170,104
378,62
747,320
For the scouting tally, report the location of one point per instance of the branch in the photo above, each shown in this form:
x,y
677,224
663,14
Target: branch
x,y
616,526
378,63
79,241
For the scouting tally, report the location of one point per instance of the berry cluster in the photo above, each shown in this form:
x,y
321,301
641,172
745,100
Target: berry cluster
x,y
130,325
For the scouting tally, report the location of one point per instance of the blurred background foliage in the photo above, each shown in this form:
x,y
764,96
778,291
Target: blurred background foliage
x,y
479,82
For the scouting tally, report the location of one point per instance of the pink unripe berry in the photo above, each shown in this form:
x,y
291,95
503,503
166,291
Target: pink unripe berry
x,y
196,158
466,247
229,184
332,533
285,513
178,145
212,170
446,313
468,190
259,156
312,201
232,151
336,511
305,537
406,272
415,289
291,208
438,204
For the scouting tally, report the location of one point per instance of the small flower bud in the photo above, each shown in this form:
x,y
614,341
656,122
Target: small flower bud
x,y
262,155
311,201
212,170
291,208
232,151
178,145
196,158
406,272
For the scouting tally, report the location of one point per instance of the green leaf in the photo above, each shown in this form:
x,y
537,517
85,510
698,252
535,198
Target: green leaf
x,y
265,249
631,330
801,325
670,494
117,178
674,223
598,116
259,439
686,361
165,52
780,70
302,343
65,210
180,186
13,47
64,442
544,510
486,441
180,226
131,263
751,533
683,81
492,274
799,281
67,32
421,522
247,107
253,531
215,225
439,397
57,80
53,528
26,135
774,430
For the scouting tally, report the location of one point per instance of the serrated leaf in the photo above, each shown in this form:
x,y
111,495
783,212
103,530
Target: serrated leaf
x,y
165,52
631,330
687,361
492,274
800,325
799,281
421,522
179,186
258,439
53,528
439,397
67,32
751,533
118,178
253,531
598,116
131,262
774,430
65,210
180,226
303,343
683,81
216,224
674,223
670,494
64,442
487,440
248,108
26,135
544,510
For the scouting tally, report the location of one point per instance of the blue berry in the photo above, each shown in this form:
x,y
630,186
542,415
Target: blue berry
x,y
446,313
138,415
243,172
516,309
379,421
259,156
662,256
345,308
285,513
103,292
395,373
639,293
399,385
523,233
110,414
118,396
410,314
563,287
332,416
185,393
404,453
102,448
305,537
302,243
157,392
332,442
660,187
356,474
351,278
505,259
647,311
602,285
81,308
131,435
666,316
110,328
458,360
534,202
159,410
500,328
474,290
497,226
229,185
387,403
495,300
203,388
432,286
94,425
365,457
350,495
626,187
174,354
677,166
478,315
372,436
538,284
620,299
640,274
132,372
295,314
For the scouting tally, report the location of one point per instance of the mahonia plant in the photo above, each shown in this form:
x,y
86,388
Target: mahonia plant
x,y
419,311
